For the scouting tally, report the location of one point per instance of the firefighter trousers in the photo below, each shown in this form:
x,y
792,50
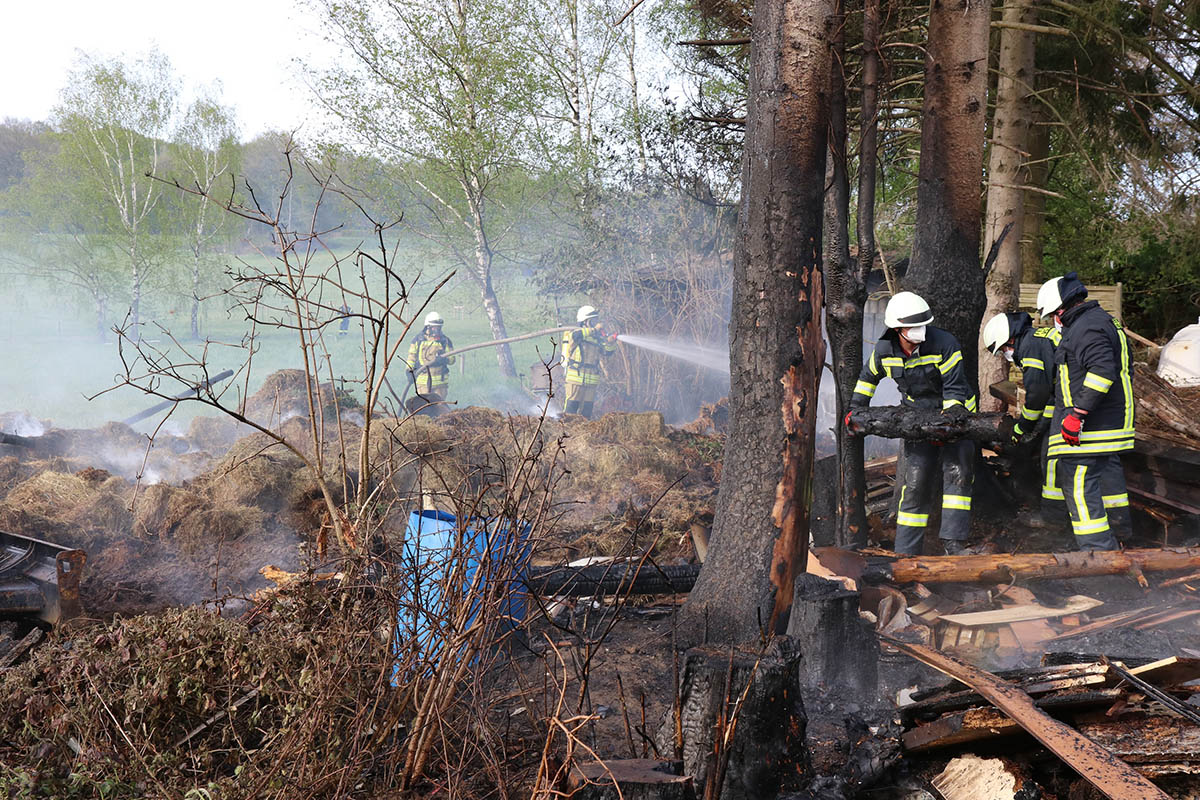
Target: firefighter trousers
x,y
924,465
1097,500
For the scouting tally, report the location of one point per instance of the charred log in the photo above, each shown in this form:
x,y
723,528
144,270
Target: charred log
x,y
1006,567
930,425
839,650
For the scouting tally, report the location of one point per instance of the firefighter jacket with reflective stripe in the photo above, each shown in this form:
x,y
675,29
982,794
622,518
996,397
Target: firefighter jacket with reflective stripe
x,y
1093,364
421,355
581,355
932,377
1033,353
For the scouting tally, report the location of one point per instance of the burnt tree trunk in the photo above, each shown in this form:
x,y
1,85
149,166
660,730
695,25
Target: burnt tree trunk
x,y
760,532
740,722
945,267
1038,175
1007,178
845,295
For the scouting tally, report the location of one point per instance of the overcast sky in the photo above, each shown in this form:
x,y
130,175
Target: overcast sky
x,y
248,45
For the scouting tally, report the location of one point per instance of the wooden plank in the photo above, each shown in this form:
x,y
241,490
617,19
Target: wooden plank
x,y
1169,672
1112,621
961,727
22,647
1111,776
1022,613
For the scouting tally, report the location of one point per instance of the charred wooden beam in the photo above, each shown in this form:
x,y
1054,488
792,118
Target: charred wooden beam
x,y
927,424
1004,567
1109,774
602,579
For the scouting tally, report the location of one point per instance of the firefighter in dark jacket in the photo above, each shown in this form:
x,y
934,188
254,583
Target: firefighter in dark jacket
x,y
1013,337
1093,413
926,364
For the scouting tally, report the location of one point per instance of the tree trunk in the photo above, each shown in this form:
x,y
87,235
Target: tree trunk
x,y
496,320
196,297
760,534
846,281
1037,176
1006,174
101,318
945,260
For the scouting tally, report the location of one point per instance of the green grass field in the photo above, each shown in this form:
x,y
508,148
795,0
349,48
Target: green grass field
x,y
54,362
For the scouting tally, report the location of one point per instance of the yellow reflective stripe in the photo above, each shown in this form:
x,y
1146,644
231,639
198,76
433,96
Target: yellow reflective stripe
x,y
1033,363
1049,333
1126,381
1098,382
959,501
893,361
922,361
1048,412
1080,499
1093,526
865,387
1031,413
1050,489
972,403
1095,436
949,363
949,403
1097,448
912,520
1053,494
1064,380
1116,500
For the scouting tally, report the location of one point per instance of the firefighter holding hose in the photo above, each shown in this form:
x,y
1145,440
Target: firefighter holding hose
x,y
427,364
1093,412
926,364
582,351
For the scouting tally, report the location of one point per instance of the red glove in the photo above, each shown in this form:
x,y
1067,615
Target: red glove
x,y
846,420
1072,425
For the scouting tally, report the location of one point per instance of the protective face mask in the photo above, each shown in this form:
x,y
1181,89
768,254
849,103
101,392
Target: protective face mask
x,y
1008,355
914,335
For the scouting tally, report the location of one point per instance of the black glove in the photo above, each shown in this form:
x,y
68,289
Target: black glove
x,y
439,362
956,412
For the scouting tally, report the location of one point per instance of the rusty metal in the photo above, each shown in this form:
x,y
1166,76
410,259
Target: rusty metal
x,y
39,580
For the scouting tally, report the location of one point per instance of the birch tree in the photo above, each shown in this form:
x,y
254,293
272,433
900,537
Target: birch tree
x,y
208,152
115,118
453,89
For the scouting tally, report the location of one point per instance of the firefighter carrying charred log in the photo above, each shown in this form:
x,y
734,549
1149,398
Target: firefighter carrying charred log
x,y
926,364
1093,414
1013,337
581,356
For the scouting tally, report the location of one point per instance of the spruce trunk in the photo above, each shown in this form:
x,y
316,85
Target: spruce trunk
x,y
760,534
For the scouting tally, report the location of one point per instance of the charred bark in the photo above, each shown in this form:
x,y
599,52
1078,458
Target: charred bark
x,y
1006,178
741,721
760,533
930,425
945,267
845,295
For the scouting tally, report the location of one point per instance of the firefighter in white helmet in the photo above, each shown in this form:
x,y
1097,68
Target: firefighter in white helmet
x,y
427,363
1093,413
1012,337
582,351
926,364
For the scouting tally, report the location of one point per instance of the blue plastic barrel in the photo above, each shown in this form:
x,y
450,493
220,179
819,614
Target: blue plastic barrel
x,y
438,550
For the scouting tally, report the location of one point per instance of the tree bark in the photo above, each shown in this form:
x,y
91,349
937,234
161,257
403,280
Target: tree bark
x,y
1006,174
761,529
928,424
845,294
945,260
1038,175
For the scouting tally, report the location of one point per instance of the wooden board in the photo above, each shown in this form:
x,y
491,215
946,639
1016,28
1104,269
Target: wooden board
x,y
1022,613
1169,672
1113,777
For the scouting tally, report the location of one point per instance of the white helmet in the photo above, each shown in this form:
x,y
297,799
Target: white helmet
x,y
434,318
996,333
907,310
585,313
1049,297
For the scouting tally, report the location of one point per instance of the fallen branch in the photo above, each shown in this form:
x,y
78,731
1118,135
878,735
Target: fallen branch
x,y
1006,567
1113,777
